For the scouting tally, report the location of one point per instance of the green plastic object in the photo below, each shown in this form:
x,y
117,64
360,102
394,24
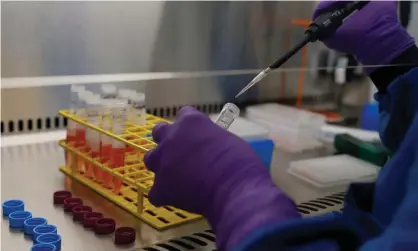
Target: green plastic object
x,y
372,152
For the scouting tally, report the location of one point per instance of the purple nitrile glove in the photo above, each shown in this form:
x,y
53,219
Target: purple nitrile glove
x,y
204,169
373,35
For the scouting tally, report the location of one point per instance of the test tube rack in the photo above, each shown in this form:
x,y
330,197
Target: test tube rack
x,y
136,179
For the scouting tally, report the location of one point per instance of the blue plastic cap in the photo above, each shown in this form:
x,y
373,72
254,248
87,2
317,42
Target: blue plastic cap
x,y
11,206
43,247
54,239
43,229
30,224
16,219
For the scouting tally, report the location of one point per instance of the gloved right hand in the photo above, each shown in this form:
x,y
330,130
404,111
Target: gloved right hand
x,y
373,35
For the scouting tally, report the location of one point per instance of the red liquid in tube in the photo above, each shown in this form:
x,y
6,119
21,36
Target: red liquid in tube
x,y
97,172
118,160
80,143
105,152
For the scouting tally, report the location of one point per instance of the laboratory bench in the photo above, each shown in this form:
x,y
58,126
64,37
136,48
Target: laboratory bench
x,y
30,173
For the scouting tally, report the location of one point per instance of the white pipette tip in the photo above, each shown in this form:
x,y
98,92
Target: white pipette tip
x,y
255,80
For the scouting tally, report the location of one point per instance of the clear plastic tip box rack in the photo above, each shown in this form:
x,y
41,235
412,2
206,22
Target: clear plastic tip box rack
x,y
113,166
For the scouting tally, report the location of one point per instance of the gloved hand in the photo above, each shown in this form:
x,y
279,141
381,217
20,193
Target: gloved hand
x,y
374,35
204,169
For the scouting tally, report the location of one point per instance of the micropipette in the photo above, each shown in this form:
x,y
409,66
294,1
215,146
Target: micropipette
x,y
321,28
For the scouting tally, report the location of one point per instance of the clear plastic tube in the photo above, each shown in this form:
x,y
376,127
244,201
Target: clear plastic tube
x,y
71,127
73,107
227,115
109,91
126,95
80,130
93,110
138,109
105,141
119,112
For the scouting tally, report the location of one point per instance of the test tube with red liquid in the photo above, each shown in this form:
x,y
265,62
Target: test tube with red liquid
x,y
105,143
119,112
80,130
70,137
93,136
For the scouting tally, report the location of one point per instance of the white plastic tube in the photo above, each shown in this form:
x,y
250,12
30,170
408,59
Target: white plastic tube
x,y
109,91
126,95
139,113
119,114
227,115
93,111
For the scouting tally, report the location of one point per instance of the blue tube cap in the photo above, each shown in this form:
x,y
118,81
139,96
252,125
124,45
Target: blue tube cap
x,y
31,223
16,219
43,247
11,206
43,229
54,239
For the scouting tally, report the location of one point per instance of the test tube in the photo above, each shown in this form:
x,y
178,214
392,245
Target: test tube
x,y
109,91
227,115
71,127
80,132
105,142
139,108
126,94
93,136
119,113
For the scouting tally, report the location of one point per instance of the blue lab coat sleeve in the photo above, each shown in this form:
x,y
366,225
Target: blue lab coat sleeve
x,y
377,216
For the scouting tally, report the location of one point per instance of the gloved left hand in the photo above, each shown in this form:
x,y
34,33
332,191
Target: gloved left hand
x,y
204,169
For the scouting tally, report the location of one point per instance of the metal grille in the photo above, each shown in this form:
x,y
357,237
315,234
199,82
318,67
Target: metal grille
x,y
205,241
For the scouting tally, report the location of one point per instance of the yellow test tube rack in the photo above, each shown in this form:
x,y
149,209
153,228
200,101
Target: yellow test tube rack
x,y
136,179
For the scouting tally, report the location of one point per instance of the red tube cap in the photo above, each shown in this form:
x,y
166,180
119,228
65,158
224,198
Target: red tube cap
x,y
79,212
69,203
104,226
91,218
60,196
125,235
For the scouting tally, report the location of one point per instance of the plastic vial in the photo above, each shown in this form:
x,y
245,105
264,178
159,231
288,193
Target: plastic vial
x,y
80,132
71,127
105,141
109,91
227,115
74,105
126,95
139,114
92,136
119,112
